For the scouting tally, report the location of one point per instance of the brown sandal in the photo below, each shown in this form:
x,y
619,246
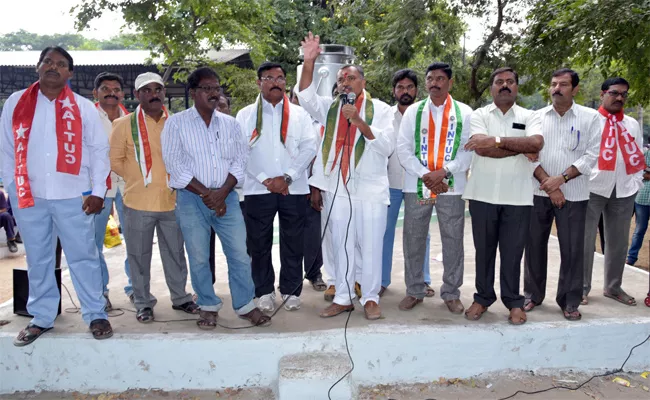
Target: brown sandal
x,y
207,319
101,329
529,305
475,311
520,316
257,318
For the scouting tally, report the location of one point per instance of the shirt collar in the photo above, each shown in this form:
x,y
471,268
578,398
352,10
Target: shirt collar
x,y
266,104
197,115
572,109
492,107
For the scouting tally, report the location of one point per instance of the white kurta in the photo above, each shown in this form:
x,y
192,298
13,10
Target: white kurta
x,y
361,205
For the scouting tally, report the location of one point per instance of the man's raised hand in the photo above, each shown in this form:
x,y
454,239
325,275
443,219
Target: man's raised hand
x,y
310,47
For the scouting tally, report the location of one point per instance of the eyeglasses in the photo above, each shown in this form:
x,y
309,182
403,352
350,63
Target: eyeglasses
x,y
348,79
439,78
279,79
106,89
209,89
59,64
615,94
148,91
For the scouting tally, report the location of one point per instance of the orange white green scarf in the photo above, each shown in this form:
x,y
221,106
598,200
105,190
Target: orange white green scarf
x,y
425,140
141,142
336,119
284,126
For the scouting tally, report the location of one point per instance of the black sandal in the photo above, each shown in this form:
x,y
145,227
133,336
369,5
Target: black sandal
x,y
29,334
190,307
101,329
145,315
318,284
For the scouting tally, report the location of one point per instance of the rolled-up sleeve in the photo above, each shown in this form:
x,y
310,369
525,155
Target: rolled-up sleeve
x,y
178,165
97,143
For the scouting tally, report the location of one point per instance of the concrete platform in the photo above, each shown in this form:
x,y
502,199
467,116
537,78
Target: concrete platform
x,y
403,347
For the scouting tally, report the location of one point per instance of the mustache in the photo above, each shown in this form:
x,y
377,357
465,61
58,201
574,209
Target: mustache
x,y
52,72
504,89
276,87
557,94
154,100
110,96
434,87
213,98
405,99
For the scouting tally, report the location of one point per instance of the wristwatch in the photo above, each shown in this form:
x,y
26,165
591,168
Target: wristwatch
x,y
497,141
448,173
565,176
287,178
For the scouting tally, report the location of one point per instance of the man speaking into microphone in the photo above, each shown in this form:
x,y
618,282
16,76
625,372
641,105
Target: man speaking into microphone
x,y
350,178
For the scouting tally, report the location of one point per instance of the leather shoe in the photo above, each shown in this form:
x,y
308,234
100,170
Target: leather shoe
x,y
330,293
455,306
408,303
372,310
382,290
335,309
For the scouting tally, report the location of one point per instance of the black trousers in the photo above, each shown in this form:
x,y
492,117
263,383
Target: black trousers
x,y
260,212
213,239
313,253
570,223
505,227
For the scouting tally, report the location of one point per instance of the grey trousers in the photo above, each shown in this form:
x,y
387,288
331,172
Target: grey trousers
x,y
570,222
617,215
450,210
138,232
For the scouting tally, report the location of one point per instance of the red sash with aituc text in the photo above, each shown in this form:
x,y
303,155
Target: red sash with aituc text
x,y
613,134
68,138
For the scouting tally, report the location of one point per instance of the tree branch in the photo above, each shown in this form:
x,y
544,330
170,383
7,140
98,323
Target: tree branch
x,y
482,51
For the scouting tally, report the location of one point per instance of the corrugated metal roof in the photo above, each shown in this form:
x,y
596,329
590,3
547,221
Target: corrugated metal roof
x,y
106,57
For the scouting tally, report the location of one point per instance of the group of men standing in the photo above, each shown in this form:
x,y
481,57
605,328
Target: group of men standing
x,y
351,157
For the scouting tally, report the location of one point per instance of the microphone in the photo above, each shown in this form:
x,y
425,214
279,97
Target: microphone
x,y
351,98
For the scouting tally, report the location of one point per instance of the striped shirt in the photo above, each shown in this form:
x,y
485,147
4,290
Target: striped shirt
x,y
569,140
643,197
193,150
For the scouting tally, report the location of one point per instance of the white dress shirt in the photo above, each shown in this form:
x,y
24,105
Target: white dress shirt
x,y
116,181
45,181
602,183
571,139
508,180
368,181
268,156
193,150
406,147
395,169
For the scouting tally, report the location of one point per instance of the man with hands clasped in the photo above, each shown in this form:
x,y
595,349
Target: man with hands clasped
x,y
561,193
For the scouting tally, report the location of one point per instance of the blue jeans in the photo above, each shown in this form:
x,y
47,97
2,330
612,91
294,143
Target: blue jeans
x,y
642,213
396,198
39,226
101,220
195,220
119,206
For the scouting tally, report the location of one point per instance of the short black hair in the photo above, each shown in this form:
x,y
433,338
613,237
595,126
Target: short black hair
x,y
59,50
446,68
405,74
575,79
502,70
108,76
201,73
355,66
614,81
227,99
335,89
267,65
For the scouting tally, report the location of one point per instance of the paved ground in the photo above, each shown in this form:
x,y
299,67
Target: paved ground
x,y
432,311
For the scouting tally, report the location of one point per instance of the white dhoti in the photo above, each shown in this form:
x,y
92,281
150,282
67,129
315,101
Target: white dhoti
x,y
326,248
361,255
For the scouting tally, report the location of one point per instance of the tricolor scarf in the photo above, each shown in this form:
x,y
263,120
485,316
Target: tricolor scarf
x,y
141,142
613,133
448,142
123,112
68,137
284,126
335,118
